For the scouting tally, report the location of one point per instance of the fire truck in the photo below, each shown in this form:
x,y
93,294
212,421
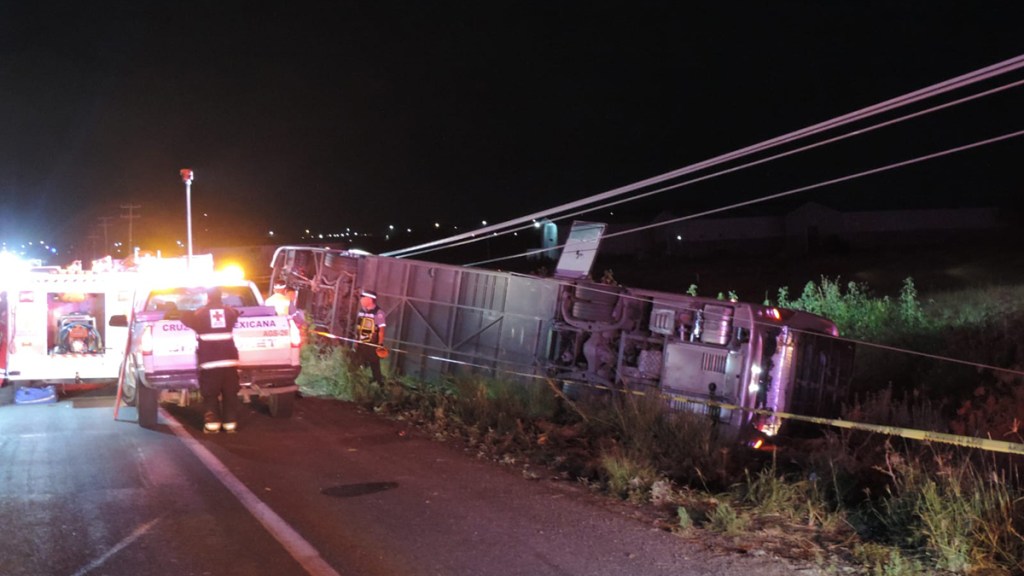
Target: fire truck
x,y
54,328
738,362
55,321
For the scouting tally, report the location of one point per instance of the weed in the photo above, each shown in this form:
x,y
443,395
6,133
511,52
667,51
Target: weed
x,y
964,519
325,373
725,519
628,478
883,560
685,522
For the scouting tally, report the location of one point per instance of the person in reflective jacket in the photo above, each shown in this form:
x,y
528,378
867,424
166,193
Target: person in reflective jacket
x,y
280,301
216,362
370,325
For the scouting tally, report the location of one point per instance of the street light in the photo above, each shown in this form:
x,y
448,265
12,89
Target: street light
x,y
186,177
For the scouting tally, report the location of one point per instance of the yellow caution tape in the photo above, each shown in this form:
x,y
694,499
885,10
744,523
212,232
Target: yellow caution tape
x,y
966,441
925,435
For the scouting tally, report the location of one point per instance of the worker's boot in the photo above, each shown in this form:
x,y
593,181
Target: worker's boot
x,y
211,423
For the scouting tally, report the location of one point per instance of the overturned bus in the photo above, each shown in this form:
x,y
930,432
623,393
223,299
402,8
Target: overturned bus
x,y
724,358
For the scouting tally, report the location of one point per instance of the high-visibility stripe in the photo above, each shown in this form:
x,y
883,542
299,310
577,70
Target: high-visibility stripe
x,y
215,336
232,363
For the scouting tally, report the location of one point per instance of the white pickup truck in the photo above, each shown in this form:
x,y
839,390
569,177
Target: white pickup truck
x,y
162,351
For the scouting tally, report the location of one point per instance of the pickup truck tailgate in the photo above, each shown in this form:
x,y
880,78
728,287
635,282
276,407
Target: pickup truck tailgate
x,y
265,341
261,341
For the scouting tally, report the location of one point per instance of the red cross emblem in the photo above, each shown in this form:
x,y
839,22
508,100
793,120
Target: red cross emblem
x,y
217,318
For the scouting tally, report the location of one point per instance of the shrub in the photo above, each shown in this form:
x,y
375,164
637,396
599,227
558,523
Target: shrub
x,y
963,518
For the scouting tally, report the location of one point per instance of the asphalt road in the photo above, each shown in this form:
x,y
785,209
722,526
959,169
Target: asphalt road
x,y
333,490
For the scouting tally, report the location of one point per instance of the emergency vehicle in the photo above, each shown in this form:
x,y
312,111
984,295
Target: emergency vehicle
x,y
53,324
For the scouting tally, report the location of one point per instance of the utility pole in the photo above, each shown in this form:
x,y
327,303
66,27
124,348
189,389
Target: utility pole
x,y
131,216
104,222
92,238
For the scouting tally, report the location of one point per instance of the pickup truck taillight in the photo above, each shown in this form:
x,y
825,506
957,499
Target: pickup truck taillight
x,y
294,334
146,340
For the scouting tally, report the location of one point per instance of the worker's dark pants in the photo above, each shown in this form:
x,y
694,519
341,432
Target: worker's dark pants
x,y
367,356
219,387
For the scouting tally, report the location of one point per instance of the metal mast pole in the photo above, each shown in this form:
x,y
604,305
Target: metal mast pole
x,y
186,177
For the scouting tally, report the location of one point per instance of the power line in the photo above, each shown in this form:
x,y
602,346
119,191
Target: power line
x,y
765,160
785,193
892,104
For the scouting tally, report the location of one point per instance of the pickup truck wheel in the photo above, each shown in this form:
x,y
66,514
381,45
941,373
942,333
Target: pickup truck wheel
x,y
281,405
130,387
149,401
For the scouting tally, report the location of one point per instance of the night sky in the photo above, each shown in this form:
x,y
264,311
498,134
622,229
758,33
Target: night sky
x,y
335,115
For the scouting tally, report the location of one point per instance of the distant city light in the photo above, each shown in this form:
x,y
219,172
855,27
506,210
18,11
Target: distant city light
x,y
483,222
437,224
271,233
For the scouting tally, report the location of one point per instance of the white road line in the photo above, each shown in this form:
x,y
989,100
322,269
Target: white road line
x,y
296,545
117,548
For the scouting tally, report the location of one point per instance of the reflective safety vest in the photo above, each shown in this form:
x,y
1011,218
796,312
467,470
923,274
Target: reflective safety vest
x,y
282,305
215,343
368,323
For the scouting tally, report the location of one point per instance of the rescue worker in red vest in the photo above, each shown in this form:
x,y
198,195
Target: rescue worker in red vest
x,y
370,324
216,361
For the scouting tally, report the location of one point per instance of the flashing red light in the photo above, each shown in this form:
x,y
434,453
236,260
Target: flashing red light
x,y
773,314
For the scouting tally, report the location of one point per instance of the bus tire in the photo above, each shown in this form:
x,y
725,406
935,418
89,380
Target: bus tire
x,y
148,405
281,405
